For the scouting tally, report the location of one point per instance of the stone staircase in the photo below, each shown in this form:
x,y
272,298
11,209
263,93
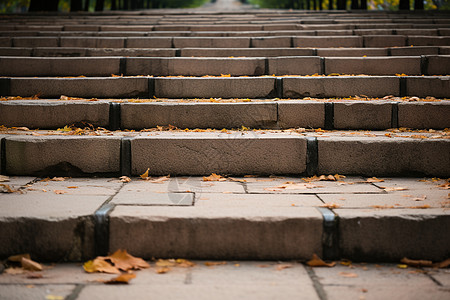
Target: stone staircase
x,y
190,93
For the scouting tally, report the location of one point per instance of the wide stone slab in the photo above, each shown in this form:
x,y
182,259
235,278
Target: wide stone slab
x,y
53,114
250,52
424,115
244,233
215,87
203,154
383,156
362,115
436,86
198,115
297,113
384,235
373,65
216,42
68,155
328,41
294,65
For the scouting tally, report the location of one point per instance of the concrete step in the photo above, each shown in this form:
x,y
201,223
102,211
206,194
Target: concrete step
x,y
226,87
218,113
73,219
80,152
184,66
222,52
226,42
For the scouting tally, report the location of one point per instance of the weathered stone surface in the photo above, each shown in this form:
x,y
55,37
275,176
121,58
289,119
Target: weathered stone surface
x,y
414,51
93,42
271,42
250,52
438,65
383,156
435,86
373,65
149,42
381,41
342,86
217,42
27,155
351,52
52,114
199,115
328,41
35,42
429,40
215,87
303,114
19,291
186,232
393,234
424,115
362,115
294,65
203,154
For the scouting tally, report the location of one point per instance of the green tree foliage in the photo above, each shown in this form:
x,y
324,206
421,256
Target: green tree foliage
x,y
354,4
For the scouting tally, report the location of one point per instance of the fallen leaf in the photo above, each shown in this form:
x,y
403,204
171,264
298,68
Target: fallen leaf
x,y
402,266
416,263
4,178
424,197
5,188
280,267
125,179
14,271
158,180
28,264
442,264
420,206
346,262
58,179
121,279
215,263
145,175
18,257
374,179
124,261
100,265
54,297
72,187
165,263
316,261
214,177
348,274
290,185
59,192
162,270
393,189
184,263
330,205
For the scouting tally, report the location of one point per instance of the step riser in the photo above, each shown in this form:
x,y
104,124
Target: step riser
x,y
373,115
234,154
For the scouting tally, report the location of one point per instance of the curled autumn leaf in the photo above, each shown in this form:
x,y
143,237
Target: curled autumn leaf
x,y
125,179
18,257
145,175
280,267
214,177
214,263
4,178
121,279
28,264
124,261
100,265
416,263
374,179
5,188
316,261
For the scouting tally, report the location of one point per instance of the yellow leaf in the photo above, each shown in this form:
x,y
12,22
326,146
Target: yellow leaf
x,y
330,205
401,266
145,175
18,257
100,265
30,265
184,263
125,179
162,270
215,263
165,263
58,179
125,261
4,178
121,279
158,180
214,177
5,188
317,262
374,179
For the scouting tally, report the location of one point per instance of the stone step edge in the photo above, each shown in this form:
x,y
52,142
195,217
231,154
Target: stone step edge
x,y
265,87
182,66
265,114
239,153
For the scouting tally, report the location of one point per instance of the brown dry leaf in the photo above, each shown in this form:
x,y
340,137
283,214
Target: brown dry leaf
x,y
348,274
374,179
330,205
162,270
424,197
283,266
416,263
5,188
214,177
215,263
394,189
100,265
125,179
420,206
158,180
145,175
124,261
72,187
121,279
4,178
28,264
59,192
316,261
445,186
165,263
442,264
14,271
18,257
290,185
184,263
58,179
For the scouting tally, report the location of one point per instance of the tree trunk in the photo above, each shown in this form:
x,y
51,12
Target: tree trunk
x,y
86,5
99,4
320,4
341,4
364,4
113,5
330,4
418,5
355,4
43,5
308,5
404,5
76,5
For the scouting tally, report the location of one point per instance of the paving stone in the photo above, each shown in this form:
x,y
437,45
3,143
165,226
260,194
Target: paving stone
x,y
349,52
388,234
436,86
93,42
362,115
149,42
49,154
133,195
236,42
414,51
15,51
250,52
195,66
35,42
294,65
424,115
428,40
334,32
342,86
126,27
246,153
328,41
19,292
52,114
131,52
271,42
303,114
59,52
186,232
373,65
198,115
37,66
77,186
98,87
5,42
383,156
228,200
381,41
438,65
215,87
